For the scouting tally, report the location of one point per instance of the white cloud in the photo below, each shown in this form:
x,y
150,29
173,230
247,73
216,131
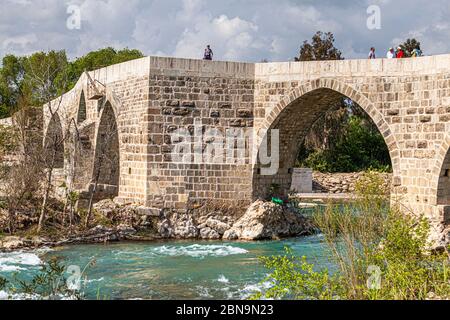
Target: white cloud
x,y
231,38
248,30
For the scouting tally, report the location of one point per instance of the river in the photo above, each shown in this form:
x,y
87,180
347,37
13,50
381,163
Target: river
x,y
168,270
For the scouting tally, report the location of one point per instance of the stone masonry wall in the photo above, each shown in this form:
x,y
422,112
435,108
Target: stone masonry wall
x,y
189,95
341,182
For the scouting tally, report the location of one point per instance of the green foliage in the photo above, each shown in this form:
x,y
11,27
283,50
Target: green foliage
x,y
321,48
409,45
11,83
3,283
296,279
49,283
46,75
359,148
99,59
379,254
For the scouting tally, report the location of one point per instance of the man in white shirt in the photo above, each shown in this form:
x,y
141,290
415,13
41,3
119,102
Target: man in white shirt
x,y
391,53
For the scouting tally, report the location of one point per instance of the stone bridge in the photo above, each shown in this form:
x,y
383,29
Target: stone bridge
x,y
119,124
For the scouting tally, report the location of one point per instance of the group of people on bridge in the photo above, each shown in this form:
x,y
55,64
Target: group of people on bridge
x,y
397,54
391,54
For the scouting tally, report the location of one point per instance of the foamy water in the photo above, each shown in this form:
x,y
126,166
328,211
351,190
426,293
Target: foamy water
x,y
200,251
170,270
16,261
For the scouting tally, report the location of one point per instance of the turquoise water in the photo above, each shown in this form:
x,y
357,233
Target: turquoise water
x,y
168,270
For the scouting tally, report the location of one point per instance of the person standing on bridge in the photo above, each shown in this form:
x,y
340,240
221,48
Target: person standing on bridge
x,y
390,54
372,53
208,53
416,52
400,53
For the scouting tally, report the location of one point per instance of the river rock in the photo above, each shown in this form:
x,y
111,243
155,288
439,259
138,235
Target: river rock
x,y
179,226
107,208
184,227
266,220
209,234
165,229
217,225
12,243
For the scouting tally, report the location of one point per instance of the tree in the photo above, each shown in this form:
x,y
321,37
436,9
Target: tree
x,y
409,45
321,48
45,79
11,84
99,59
22,174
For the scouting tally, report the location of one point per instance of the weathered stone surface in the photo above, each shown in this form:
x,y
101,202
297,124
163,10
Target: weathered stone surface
x,y
11,243
266,220
181,111
245,113
342,182
209,234
215,114
217,225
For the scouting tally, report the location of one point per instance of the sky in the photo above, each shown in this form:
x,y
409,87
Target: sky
x,y
237,30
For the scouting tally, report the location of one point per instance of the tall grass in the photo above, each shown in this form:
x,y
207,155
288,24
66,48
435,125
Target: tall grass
x,y
380,253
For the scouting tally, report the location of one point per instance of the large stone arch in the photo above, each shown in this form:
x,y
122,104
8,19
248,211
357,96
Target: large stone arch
x,y
292,111
54,143
106,166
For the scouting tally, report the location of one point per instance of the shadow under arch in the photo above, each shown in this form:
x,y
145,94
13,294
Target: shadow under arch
x,y
82,109
54,144
106,168
294,115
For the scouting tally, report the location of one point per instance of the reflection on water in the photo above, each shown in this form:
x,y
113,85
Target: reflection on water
x,y
170,270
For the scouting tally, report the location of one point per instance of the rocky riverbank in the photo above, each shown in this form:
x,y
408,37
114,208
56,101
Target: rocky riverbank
x,y
116,222
339,183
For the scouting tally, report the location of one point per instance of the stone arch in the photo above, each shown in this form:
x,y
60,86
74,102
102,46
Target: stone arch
x,y
82,110
293,109
54,143
106,167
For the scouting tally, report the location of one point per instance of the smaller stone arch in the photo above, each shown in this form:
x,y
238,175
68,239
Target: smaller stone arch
x,y
54,144
106,167
82,110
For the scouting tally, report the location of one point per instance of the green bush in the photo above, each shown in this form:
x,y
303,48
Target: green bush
x,y
379,253
359,148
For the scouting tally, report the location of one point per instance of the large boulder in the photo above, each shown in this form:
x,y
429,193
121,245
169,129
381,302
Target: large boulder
x,y
266,220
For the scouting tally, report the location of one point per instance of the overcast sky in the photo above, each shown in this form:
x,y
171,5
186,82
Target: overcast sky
x,y
238,30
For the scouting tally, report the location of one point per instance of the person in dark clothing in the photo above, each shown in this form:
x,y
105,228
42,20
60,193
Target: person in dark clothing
x,y
372,53
208,53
